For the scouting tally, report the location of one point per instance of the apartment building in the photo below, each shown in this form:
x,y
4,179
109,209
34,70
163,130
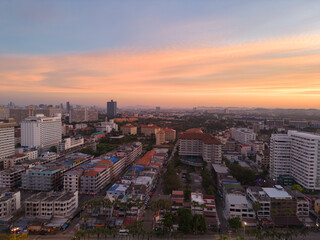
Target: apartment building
x,y
83,115
71,180
263,158
279,155
11,177
132,151
296,154
129,129
243,135
107,127
165,135
200,145
4,113
41,131
177,199
13,160
51,204
7,143
69,143
149,130
92,181
10,202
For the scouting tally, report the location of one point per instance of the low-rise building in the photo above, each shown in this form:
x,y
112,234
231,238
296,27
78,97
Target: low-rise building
x,y
263,158
149,129
165,135
51,204
177,198
69,143
129,129
11,177
10,202
13,160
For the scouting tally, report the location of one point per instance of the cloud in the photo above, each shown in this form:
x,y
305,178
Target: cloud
x,y
282,68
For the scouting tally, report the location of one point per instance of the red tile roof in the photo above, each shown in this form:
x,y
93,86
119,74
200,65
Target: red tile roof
x,y
205,137
145,160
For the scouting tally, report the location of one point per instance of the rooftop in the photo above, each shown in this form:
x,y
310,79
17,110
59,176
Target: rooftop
x,y
205,137
277,192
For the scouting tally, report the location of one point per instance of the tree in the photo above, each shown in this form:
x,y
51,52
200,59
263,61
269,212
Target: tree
x,y
185,220
297,187
53,149
199,224
169,220
187,194
256,207
235,223
88,151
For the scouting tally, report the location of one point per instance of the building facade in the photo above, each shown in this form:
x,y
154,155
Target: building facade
x,y
7,139
111,108
243,135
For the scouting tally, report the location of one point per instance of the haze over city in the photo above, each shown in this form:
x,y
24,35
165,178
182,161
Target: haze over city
x,y
161,53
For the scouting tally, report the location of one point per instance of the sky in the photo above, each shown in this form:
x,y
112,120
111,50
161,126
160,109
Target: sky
x,y
168,53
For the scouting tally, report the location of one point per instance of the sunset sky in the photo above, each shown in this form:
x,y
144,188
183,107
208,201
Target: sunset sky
x,y
166,53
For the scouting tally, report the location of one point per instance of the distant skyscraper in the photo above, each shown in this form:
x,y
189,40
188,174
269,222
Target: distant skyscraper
x,y
61,105
68,106
111,108
157,110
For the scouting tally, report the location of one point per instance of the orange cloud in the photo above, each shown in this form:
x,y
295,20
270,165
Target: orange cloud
x,y
284,72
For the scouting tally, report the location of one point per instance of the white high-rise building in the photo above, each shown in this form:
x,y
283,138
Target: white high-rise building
x,y
7,139
297,154
41,131
305,159
279,155
243,135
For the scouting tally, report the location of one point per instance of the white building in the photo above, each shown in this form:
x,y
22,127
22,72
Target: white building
x,y
279,155
41,131
243,135
237,205
296,154
71,142
52,204
107,127
10,202
257,194
7,139
197,203
31,153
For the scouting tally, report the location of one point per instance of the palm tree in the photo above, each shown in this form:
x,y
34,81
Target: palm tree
x,y
85,218
288,214
256,207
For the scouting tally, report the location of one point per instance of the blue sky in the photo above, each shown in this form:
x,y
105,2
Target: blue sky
x,y
41,27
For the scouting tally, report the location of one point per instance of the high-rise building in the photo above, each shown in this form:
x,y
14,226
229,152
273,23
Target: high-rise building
x,y
300,153
68,106
112,108
7,139
279,155
157,111
41,131
61,105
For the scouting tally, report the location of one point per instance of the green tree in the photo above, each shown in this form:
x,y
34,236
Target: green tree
x,y
53,149
297,187
235,223
187,194
256,207
185,219
88,151
169,220
199,224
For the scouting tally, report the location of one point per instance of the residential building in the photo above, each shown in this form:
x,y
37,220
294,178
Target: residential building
x,y
129,129
296,154
13,160
7,139
149,130
203,145
257,194
51,204
243,135
177,199
197,203
11,177
41,131
93,180
117,190
20,114
4,113
83,115
107,127
279,155
10,202
71,180
69,143
263,158
165,135
111,108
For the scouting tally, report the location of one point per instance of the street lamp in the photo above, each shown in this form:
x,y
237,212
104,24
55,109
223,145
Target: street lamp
x,y
244,229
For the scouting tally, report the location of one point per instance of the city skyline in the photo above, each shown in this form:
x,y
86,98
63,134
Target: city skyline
x,y
168,54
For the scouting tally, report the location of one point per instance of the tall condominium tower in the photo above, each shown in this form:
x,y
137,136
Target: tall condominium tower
x,y
6,139
297,154
41,131
112,108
